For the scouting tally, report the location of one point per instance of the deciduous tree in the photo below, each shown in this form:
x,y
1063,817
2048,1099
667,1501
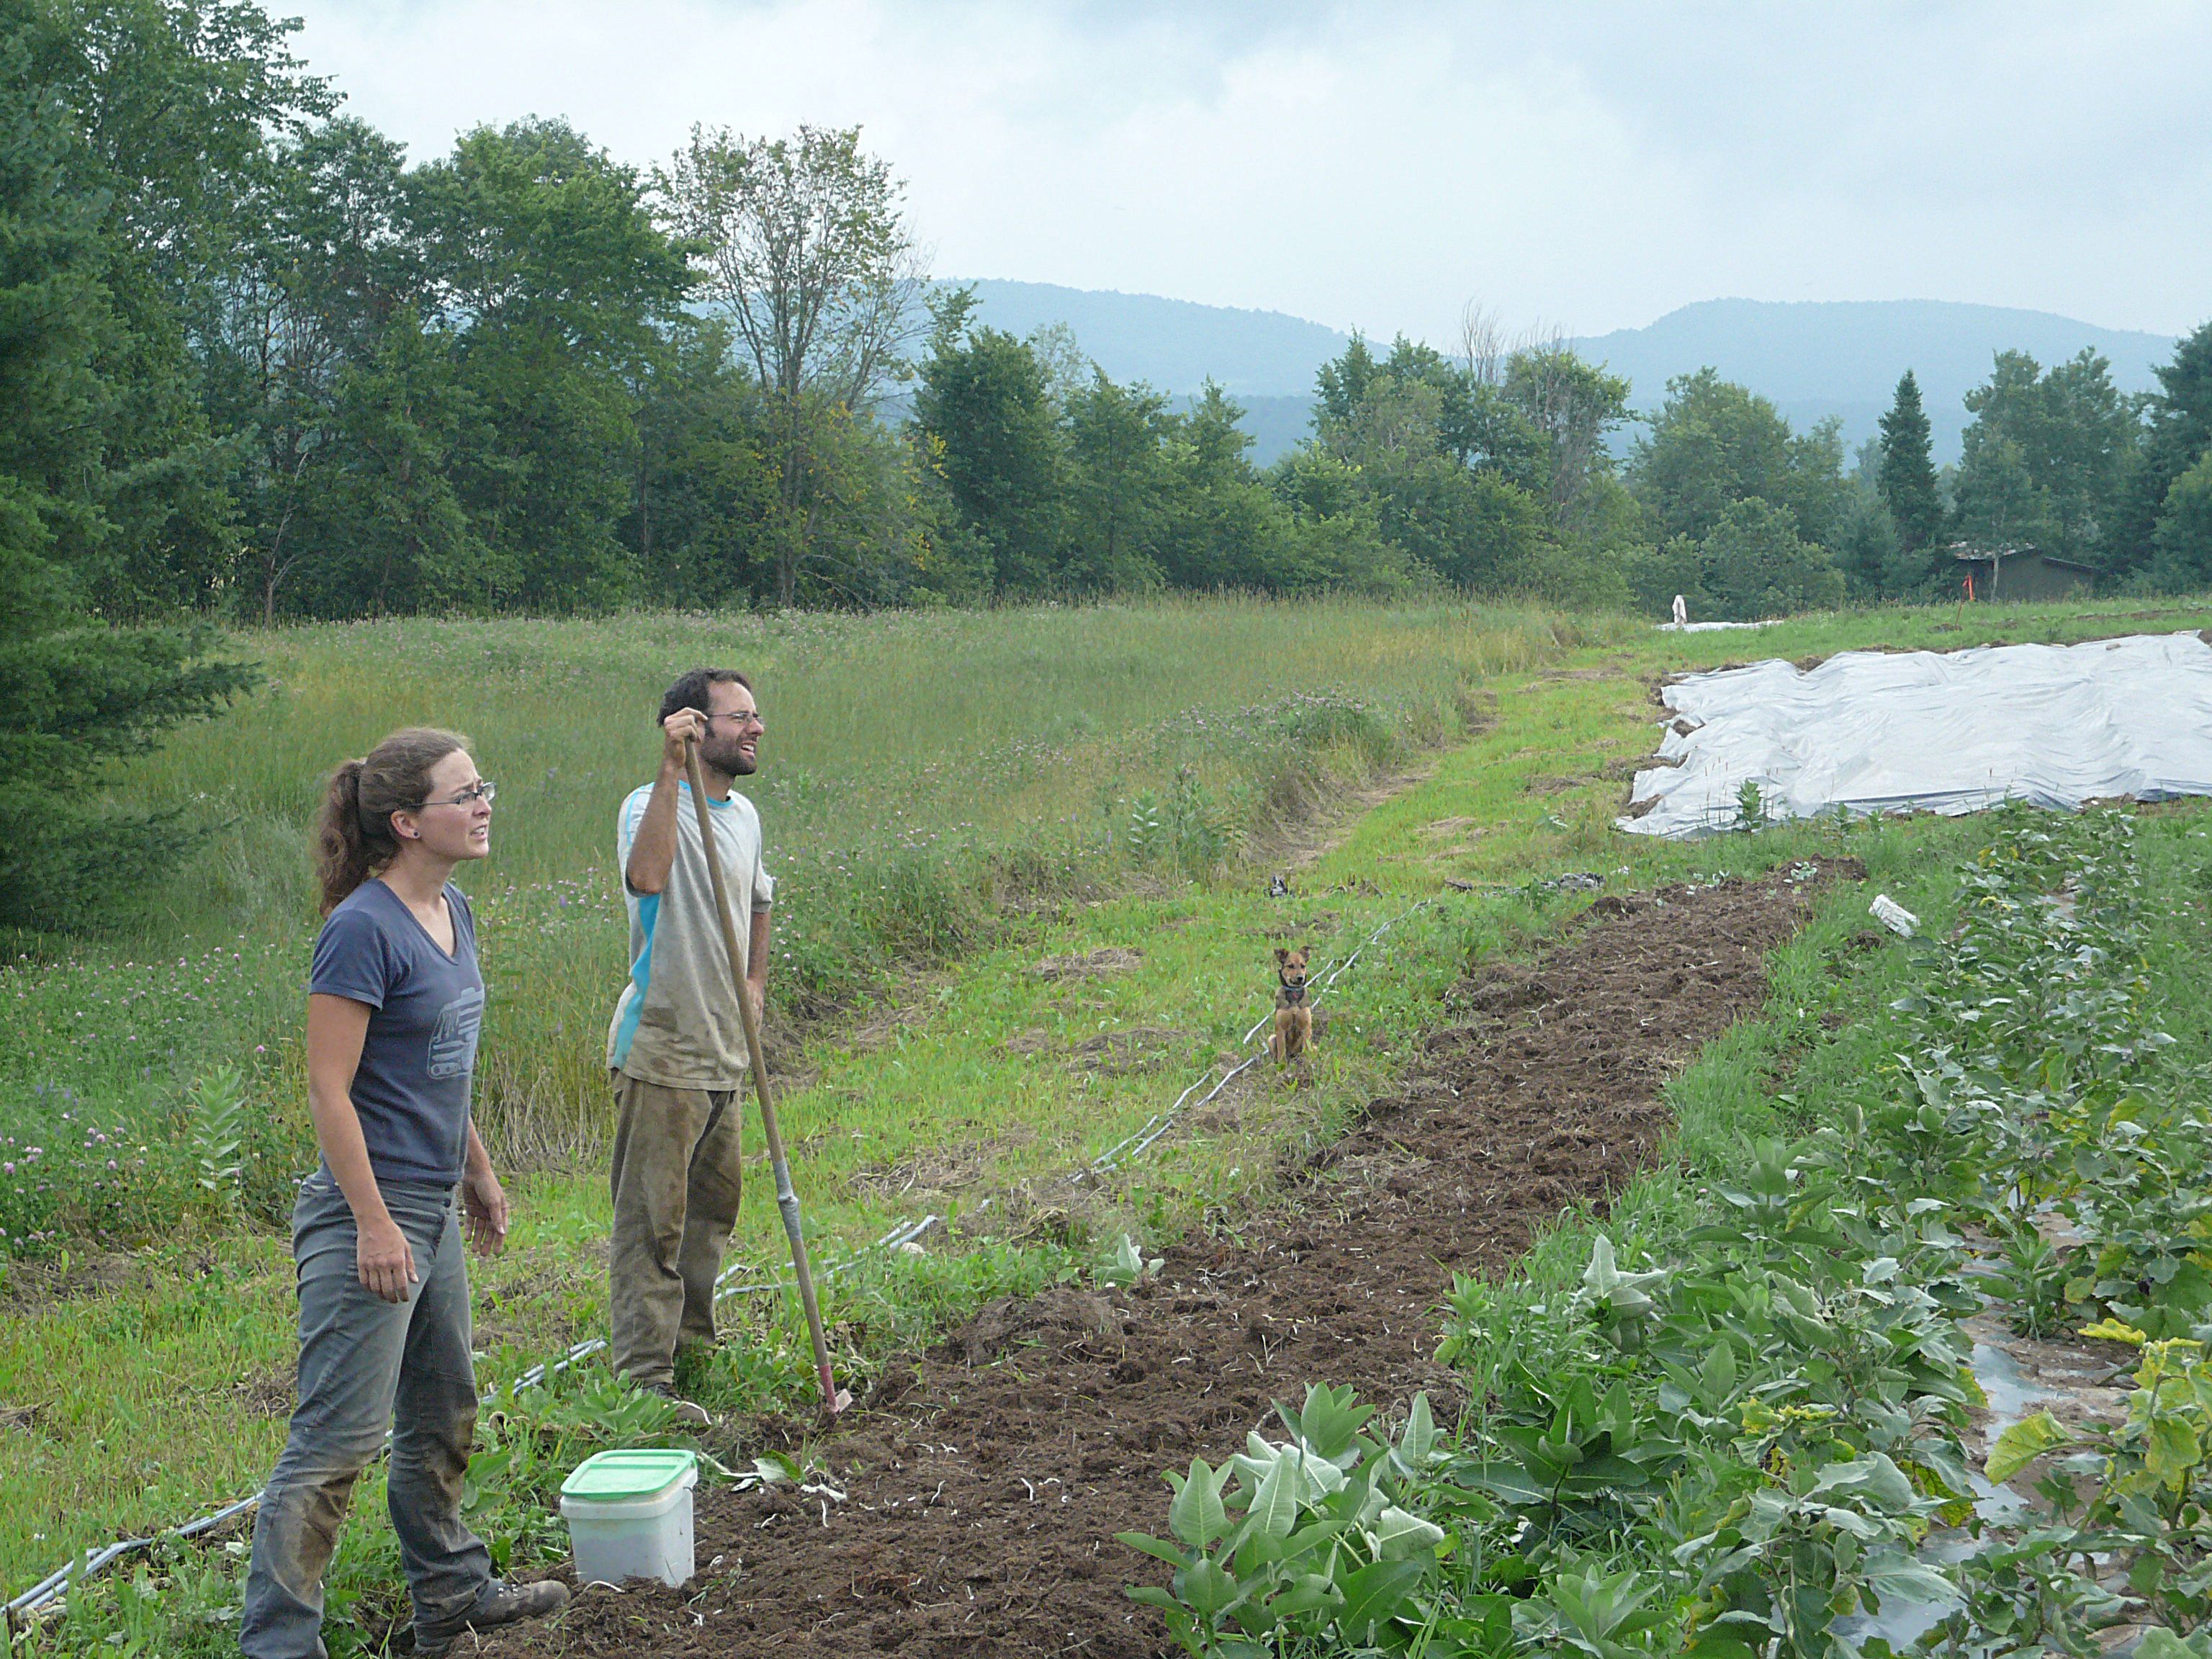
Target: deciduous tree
x,y
801,244
985,406
2047,455
1713,443
543,258
1119,480
2183,540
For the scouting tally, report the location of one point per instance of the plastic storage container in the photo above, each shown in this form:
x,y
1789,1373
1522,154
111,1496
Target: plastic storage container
x,y
629,1516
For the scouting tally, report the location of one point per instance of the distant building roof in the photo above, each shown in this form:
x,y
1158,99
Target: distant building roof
x,y
1970,554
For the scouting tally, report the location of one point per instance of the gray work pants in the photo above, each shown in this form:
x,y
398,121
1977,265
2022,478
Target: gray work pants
x,y
366,1364
678,1165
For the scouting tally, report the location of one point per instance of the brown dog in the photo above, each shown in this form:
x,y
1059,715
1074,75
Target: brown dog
x,y
1293,1033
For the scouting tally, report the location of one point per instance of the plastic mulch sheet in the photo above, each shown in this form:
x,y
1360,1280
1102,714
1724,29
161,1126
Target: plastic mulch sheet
x,y
1923,731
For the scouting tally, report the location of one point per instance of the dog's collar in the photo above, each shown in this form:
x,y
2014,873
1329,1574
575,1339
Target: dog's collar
x,y
1294,994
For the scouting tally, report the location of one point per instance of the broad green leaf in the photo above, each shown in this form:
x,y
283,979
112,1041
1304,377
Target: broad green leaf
x,y
1600,1607
1275,1504
1308,1538
1399,1534
1798,1299
1250,1553
1197,1517
1875,1478
1419,1439
1893,1573
1160,1547
1376,1593
1316,1476
1710,1644
772,1466
1717,1374
1330,1421
2022,1443
2159,1643
1603,1273
1308,1593
1485,1626
1852,1522
1206,1589
1509,1481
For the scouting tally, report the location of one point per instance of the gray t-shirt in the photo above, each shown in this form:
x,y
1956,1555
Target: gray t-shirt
x,y
412,1089
676,1023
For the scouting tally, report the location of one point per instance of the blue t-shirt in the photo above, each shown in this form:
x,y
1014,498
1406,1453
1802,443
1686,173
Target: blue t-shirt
x,y
411,1090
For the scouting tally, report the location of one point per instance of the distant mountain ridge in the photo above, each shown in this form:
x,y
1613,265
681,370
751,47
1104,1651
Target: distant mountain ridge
x,y
1174,345
1265,359
1813,358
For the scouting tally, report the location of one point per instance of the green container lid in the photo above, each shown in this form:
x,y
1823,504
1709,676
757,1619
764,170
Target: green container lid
x,y
609,1477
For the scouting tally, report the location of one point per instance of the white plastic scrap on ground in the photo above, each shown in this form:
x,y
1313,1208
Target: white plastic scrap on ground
x,y
1924,730
1894,916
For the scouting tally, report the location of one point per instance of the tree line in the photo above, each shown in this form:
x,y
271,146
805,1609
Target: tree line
x,y
1749,519
277,371
267,368
257,365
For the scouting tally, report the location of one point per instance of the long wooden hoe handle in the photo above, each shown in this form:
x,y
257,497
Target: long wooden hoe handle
x,y
833,1399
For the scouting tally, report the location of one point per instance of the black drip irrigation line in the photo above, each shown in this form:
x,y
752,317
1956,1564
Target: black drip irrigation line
x,y
1160,1122
32,1602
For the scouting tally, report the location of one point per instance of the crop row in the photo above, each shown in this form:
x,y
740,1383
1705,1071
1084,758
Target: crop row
x,y
1745,1438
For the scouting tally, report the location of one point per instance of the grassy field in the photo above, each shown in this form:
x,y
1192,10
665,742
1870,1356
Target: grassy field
x,y
925,774
1003,759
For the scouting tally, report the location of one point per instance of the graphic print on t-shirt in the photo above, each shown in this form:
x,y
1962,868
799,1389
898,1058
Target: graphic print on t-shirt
x,y
454,1041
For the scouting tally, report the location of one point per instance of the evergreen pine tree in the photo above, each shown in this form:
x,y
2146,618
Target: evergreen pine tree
x,y
1907,479
72,692
2177,435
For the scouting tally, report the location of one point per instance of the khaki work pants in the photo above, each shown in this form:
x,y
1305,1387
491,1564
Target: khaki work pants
x,y
678,1165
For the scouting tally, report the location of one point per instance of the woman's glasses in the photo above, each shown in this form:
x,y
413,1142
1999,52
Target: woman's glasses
x,y
484,789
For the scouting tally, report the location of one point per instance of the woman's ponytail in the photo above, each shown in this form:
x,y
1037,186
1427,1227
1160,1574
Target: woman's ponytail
x,y
354,838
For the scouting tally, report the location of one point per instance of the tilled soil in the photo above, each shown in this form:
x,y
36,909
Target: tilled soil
x,y
984,1485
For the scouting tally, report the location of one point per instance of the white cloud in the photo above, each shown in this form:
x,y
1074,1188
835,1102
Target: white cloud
x,y
1590,165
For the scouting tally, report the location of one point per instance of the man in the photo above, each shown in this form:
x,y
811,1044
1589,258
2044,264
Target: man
x,y
677,1047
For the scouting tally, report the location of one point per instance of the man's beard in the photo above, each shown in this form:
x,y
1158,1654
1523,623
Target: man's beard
x,y
729,759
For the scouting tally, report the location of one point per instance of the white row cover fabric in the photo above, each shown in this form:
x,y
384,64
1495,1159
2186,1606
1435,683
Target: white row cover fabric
x,y
1924,730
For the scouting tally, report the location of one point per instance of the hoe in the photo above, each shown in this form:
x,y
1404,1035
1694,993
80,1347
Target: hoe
x,y
833,1399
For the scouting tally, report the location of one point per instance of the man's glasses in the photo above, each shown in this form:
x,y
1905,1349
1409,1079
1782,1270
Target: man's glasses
x,y
484,789
741,719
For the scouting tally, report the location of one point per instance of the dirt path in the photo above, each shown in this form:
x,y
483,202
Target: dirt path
x,y
984,1486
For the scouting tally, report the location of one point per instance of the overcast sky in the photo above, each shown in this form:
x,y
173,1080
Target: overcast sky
x,y
1588,166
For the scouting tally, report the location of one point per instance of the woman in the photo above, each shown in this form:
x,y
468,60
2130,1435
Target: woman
x,y
394,1003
